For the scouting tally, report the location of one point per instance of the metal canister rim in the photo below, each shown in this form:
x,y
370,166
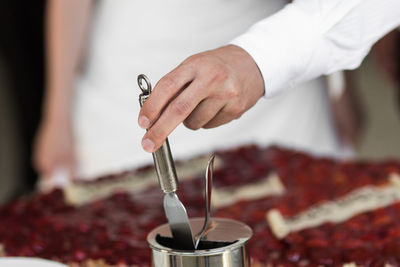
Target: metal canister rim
x,y
242,232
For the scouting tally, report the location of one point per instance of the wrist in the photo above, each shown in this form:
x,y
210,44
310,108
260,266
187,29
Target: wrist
x,y
57,104
247,69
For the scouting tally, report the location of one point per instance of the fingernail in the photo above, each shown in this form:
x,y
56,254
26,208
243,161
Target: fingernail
x,y
144,122
148,145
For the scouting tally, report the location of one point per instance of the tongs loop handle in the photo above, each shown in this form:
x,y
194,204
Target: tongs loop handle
x,y
144,84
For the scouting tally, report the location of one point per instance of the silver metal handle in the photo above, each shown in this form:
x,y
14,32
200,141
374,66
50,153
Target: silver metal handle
x,y
165,168
163,161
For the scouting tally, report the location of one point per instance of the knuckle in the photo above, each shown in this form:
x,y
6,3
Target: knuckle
x,y
200,62
235,111
211,125
168,83
146,109
197,58
157,135
231,92
220,72
181,107
238,116
192,124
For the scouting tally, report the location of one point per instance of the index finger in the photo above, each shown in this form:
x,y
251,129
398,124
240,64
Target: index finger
x,y
163,93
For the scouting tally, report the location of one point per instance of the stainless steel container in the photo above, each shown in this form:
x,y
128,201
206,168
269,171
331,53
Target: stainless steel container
x,y
224,245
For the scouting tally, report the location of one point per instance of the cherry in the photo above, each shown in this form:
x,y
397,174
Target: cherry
x,y
79,255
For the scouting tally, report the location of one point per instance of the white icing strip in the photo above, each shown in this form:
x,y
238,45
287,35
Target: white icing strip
x,y
78,194
361,200
2,252
355,265
277,224
269,186
352,264
394,179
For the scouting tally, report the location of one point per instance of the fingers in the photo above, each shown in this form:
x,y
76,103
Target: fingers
x,y
46,164
204,113
206,90
175,112
230,112
60,178
164,91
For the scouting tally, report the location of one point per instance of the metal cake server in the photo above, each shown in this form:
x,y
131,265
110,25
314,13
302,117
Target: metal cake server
x,y
167,178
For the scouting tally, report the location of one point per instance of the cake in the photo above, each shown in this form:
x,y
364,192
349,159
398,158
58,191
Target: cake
x,y
110,229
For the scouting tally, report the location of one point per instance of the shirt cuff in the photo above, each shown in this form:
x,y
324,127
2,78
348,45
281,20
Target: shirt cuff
x,y
282,46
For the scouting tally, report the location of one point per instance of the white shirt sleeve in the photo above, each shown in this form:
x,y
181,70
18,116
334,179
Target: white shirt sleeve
x,y
309,38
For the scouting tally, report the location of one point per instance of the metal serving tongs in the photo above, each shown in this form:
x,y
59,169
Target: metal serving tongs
x,y
208,224
167,178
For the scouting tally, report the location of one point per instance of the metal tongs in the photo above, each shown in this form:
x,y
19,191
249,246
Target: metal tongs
x,y
167,178
208,223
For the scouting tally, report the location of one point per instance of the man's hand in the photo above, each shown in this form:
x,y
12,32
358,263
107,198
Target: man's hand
x,y
205,91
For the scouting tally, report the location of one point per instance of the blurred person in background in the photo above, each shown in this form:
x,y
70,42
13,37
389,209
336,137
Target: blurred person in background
x,y
22,79
387,54
91,100
347,109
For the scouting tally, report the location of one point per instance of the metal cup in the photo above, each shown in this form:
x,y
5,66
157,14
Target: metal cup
x,y
223,246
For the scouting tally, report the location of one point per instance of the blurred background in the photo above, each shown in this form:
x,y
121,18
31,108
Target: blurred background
x,y
374,94
21,92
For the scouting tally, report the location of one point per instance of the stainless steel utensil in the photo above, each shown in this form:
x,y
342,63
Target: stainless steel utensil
x,y
167,178
207,196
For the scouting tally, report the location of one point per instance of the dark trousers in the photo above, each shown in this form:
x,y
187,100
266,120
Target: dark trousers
x,y
22,48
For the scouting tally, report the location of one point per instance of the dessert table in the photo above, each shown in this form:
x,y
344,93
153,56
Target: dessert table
x,y
333,213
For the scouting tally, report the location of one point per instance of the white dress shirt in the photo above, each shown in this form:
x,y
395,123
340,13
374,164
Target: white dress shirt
x,y
309,38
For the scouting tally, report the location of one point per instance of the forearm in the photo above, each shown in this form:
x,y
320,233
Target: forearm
x,y
313,37
66,28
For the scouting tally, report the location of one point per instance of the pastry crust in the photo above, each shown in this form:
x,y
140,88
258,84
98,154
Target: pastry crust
x,y
85,192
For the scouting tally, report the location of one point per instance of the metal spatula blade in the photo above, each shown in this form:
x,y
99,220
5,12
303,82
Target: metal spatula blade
x,y
178,221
